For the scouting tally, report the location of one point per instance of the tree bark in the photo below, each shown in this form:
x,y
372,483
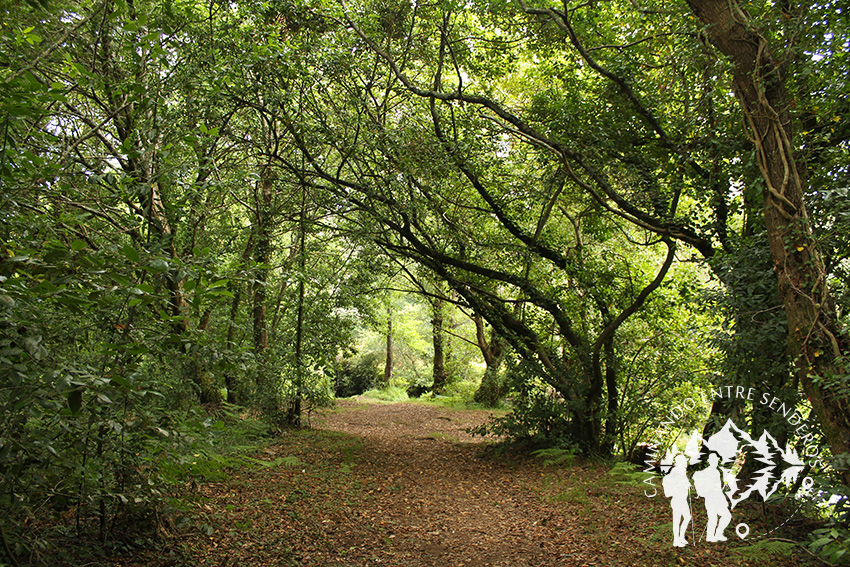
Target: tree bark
x,y
816,343
294,412
440,375
491,389
262,254
388,365
230,382
262,251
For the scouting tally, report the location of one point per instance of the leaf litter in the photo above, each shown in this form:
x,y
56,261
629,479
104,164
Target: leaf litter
x,y
404,484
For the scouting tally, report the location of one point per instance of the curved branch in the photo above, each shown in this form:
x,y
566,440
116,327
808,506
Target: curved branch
x,y
611,328
521,128
562,21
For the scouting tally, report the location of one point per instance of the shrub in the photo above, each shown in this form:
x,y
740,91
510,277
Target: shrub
x,y
354,377
539,418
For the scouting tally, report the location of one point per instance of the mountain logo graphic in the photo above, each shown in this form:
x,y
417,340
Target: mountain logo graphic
x,y
716,484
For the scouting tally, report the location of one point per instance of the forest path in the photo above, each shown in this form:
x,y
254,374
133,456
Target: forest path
x,y
441,501
404,485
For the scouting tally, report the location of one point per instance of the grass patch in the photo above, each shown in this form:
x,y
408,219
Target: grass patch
x,y
439,436
391,394
574,495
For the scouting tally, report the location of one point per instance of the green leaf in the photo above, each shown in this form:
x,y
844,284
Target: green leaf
x,y
78,244
121,280
131,253
158,265
75,400
121,382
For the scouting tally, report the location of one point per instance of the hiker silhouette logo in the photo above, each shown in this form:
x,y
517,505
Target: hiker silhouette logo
x,y
713,481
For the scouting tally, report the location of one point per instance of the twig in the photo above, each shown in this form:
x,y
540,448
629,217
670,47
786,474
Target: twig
x,y
54,46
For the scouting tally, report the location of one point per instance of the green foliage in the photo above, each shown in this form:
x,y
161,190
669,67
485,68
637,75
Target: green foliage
x,y
168,231
389,394
764,548
753,340
829,503
832,544
554,456
628,473
539,418
356,376
201,446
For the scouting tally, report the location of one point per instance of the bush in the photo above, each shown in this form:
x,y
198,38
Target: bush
x,y
831,500
354,377
417,389
539,418
388,394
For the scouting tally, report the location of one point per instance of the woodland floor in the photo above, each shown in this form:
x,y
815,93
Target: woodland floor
x,y
404,485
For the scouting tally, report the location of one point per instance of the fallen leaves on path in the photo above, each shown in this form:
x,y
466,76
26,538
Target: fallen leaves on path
x,y
405,485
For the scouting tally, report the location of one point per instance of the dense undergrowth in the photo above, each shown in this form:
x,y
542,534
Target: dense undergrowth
x,y
117,507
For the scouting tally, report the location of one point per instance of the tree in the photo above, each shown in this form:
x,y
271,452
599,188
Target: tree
x,y
409,232
388,361
818,344
440,376
649,162
493,350
107,287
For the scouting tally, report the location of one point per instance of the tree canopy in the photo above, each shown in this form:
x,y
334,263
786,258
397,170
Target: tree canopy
x,y
594,209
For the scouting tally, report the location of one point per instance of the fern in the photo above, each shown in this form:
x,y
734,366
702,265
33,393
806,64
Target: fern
x,y
555,456
290,461
627,473
765,547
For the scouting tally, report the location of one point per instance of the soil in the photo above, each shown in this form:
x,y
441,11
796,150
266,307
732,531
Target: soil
x,y
405,485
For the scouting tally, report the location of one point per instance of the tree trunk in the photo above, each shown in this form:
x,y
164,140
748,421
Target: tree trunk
x,y
230,382
388,366
236,392
815,341
612,418
160,227
491,389
441,377
293,417
262,254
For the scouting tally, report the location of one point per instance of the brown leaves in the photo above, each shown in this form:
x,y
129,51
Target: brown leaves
x,y
404,485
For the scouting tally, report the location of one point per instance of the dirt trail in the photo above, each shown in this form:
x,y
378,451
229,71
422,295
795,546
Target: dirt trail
x,y
404,485
448,504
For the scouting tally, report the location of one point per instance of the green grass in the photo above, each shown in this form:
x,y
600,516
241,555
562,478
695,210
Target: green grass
x,y
574,495
391,394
